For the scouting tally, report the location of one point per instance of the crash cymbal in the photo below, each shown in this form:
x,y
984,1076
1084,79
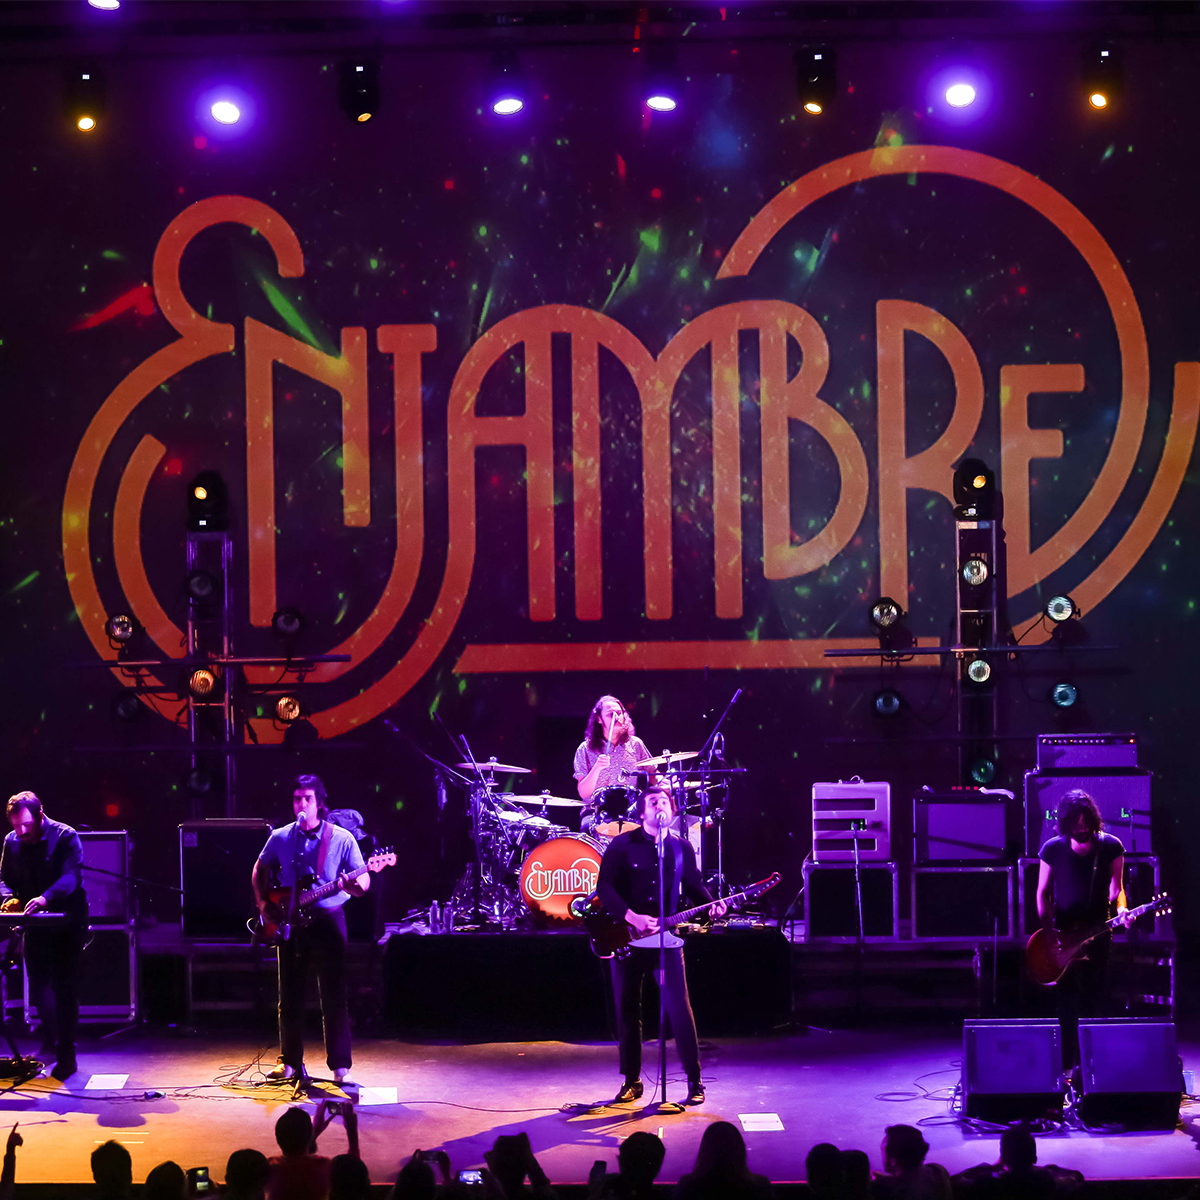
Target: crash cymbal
x,y
491,765
548,800
664,760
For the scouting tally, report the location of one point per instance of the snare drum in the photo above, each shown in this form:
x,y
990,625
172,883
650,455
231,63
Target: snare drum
x,y
557,871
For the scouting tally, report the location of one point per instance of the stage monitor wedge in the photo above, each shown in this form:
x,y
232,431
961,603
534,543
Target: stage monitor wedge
x,y
1012,1069
1131,1072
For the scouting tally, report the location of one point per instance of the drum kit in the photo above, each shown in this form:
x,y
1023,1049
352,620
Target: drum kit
x,y
531,858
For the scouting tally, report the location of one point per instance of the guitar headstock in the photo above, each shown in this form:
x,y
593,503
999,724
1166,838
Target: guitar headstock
x,y
1160,904
763,885
381,858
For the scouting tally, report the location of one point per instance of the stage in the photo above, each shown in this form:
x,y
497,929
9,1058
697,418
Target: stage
x,y
842,1086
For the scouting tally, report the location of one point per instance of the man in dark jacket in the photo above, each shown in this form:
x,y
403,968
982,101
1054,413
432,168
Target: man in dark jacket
x,y
42,865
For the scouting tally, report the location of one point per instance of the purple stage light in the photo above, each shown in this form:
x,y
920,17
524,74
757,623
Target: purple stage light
x,y
225,110
662,88
107,5
958,94
506,86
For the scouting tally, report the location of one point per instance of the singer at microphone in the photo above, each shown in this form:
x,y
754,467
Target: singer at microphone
x,y
628,886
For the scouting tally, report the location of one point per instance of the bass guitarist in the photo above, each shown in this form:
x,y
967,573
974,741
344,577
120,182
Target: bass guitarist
x,y
1079,877
628,886
312,846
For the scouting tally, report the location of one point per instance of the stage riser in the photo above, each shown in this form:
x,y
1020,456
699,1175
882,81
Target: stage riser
x,y
535,986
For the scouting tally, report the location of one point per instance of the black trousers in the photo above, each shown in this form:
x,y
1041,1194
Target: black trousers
x,y
627,977
322,945
1083,992
52,958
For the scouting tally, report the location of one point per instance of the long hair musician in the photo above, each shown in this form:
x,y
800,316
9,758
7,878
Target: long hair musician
x,y
607,757
628,886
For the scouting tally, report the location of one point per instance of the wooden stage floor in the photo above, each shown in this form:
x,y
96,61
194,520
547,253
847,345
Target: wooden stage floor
x,y
841,1086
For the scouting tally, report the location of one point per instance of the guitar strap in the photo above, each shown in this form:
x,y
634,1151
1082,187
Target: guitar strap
x,y
677,882
323,850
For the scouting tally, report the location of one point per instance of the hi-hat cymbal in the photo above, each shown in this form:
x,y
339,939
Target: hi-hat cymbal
x,y
490,765
546,799
664,760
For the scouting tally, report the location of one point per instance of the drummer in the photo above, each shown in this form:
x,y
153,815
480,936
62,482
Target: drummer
x,y
607,757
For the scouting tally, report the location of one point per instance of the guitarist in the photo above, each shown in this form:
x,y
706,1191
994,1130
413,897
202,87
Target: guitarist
x,y
628,886
312,847
1079,877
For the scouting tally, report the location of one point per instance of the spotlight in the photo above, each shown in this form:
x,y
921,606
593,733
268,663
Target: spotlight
x,y
816,79
979,671
208,503
107,5
1064,694
885,613
358,88
983,770
199,781
960,94
662,82
287,709
887,702
975,572
84,99
121,627
506,87
126,707
201,586
288,624
202,683
1060,608
1102,75
974,490
226,112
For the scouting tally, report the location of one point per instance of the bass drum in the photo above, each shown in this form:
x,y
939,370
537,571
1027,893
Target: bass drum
x,y
557,871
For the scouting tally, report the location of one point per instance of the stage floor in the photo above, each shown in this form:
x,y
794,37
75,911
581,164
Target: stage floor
x,y
841,1086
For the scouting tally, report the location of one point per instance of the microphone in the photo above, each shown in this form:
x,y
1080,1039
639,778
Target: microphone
x,y
719,747
664,819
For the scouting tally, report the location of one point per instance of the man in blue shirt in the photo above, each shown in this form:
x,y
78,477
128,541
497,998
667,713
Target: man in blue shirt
x,y
309,852
42,865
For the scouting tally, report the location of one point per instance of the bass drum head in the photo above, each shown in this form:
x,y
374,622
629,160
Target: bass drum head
x,y
557,871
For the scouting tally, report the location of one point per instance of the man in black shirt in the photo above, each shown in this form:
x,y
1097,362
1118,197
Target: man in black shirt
x,y
628,886
42,865
1079,877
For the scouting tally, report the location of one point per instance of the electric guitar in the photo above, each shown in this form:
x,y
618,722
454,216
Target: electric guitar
x,y
614,937
1048,959
273,927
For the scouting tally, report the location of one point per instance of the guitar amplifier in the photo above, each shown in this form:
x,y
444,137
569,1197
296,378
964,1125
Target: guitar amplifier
x,y
965,826
215,861
831,902
838,807
106,876
1086,751
1123,798
962,902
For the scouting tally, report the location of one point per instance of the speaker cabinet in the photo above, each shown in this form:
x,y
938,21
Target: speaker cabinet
x,y
831,903
1123,798
959,828
1141,884
1012,1069
215,861
962,902
1132,1073
106,876
107,978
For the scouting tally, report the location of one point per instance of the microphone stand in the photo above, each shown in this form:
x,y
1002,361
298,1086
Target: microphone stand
x,y
705,763
856,827
663,1105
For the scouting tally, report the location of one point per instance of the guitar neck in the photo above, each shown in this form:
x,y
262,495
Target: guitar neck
x,y
327,889
1131,914
679,917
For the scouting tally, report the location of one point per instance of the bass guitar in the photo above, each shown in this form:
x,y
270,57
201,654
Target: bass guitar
x,y
282,915
614,937
1048,958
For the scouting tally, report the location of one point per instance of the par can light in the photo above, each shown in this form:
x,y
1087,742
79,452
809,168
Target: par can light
x,y
1064,694
975,572
1060,608
979,670
287,709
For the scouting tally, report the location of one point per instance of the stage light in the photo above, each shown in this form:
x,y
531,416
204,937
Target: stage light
x,y
201,585
1102,75
885,613
974,490
979,671
1064,694
121,627
358,88
127,708
208,503
202,682
288,624
983,770
960,94
199,781
887,702
506,86
287,709
662,82
975,572
226,112
1060,608
106,5
84,99
816,79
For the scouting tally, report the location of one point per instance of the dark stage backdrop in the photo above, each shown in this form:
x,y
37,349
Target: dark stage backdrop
x,y
520,412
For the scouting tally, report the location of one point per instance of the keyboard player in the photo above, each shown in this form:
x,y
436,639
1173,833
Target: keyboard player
x,y
42,865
